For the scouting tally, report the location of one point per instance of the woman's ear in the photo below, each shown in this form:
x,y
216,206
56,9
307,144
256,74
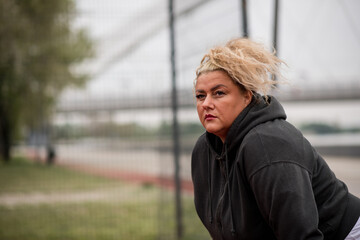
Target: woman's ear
x,y
248,96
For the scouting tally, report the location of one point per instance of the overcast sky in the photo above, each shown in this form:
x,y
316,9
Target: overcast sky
x,y
319,39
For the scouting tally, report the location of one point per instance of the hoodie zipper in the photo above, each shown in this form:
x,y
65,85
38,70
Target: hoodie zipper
x,y
224,168
223,184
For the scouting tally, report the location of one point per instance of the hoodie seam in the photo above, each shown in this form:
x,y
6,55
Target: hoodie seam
x,y
270,163
279,162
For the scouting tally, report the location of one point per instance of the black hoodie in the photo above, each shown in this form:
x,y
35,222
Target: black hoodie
x,y
267,182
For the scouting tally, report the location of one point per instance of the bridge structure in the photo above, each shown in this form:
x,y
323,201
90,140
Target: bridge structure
x,y
186,99
118,46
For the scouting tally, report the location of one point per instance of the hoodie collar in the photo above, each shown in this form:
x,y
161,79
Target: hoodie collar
x,y
257,112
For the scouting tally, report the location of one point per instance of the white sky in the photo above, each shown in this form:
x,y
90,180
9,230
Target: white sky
x,y
319,40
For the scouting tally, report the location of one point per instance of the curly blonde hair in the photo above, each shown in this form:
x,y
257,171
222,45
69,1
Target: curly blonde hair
x,y
248,63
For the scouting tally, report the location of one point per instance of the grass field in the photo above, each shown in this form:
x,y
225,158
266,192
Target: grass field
x,y
41,202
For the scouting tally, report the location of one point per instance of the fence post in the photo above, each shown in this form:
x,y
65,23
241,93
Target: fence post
x,y
176,142
245,30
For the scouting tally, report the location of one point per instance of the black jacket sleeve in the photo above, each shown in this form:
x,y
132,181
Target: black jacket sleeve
x,y
284,195
280,177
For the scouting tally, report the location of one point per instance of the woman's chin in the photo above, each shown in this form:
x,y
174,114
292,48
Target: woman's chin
x,y
213,131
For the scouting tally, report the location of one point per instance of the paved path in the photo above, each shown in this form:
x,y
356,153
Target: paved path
x,y
152,166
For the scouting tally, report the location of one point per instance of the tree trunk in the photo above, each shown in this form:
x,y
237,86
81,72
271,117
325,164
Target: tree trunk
x,y
5,137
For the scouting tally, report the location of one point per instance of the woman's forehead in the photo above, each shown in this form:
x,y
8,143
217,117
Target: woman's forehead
x,y
213,78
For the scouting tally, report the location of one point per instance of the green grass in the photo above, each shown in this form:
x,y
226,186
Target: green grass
x,y
24,176
97,220
145,212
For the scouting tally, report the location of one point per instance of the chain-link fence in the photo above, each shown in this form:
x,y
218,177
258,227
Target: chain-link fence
x,y
115,152
126,123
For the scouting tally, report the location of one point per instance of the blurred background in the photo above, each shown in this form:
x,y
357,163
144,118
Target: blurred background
x,y
97,114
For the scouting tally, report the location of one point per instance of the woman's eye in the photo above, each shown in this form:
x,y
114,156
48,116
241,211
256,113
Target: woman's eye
x,y
219,93
200,96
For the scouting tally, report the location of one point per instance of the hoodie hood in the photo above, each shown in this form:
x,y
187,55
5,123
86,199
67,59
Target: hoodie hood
x,y
257,112
267,182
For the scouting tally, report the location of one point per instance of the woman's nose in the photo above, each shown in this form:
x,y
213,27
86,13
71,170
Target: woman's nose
x,y
207,103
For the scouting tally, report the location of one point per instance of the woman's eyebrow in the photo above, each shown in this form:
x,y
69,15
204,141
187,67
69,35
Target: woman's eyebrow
x,y
213,88
218,86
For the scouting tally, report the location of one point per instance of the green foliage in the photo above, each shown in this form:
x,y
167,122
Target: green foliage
x,y
128,130
323,128
190,128
39,51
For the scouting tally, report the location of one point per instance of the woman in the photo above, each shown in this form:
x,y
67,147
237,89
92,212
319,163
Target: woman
x,y
255,176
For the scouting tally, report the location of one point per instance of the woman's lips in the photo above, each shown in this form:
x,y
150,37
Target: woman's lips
x,y
209,117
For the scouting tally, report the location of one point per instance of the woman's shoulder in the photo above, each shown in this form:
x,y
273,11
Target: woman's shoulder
x,y
201,143
274,142
201,140
276,133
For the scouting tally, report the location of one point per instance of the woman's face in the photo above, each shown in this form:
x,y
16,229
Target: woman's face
x,y
219,101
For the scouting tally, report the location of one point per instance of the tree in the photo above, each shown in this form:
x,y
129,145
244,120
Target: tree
x,y
39,52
